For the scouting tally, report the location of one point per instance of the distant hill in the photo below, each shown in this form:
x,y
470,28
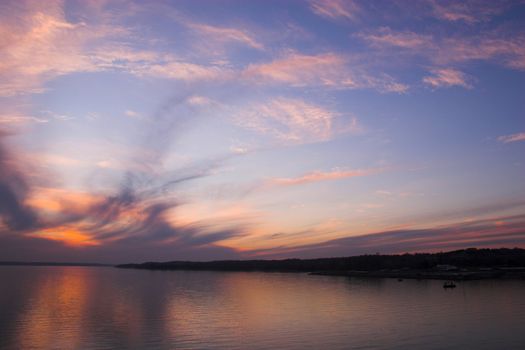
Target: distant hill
x,y
463,259
38,263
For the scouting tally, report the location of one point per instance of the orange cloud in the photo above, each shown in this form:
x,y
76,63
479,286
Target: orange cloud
x,y
58,200
68,235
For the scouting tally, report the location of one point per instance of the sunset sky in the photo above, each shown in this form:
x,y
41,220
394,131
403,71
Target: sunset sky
x,y
203,130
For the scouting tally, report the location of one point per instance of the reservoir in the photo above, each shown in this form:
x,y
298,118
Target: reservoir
x,y
109,308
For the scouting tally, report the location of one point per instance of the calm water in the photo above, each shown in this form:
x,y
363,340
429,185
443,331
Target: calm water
x,y
105,308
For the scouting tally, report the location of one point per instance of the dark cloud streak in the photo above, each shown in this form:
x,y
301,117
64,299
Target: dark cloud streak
x,y
132,221
13,191
496,232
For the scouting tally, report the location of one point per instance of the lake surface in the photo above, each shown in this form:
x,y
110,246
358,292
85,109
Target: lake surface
x,y
108,308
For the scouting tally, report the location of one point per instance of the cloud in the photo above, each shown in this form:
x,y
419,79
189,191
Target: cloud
x,y
495,232
183,71
10,119
387,37
137,214
14,190
327,70
197,100
317,176
447,77
335,9
214,34
512,138
25,248
38,44
468,11
500,45
301,70
132,114
143,63
293,121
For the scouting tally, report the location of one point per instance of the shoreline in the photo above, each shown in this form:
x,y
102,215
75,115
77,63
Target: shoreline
x,y
429,275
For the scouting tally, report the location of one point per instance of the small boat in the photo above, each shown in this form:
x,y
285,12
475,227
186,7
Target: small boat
x,y
449,285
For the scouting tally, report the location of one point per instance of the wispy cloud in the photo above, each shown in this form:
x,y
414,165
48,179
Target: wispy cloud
x,y
43,44
446,77
294,121
329,70
317,176
300,70
495,232
183,71
196,100
11,119
512,138
468,11
223,35
15,214
387,37
39,43
500,45
131,113
335,9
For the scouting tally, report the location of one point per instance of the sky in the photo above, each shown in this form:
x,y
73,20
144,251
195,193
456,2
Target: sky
x,y
204,130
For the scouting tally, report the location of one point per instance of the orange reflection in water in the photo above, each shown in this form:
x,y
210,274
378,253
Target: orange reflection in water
x,y
260,304
57,307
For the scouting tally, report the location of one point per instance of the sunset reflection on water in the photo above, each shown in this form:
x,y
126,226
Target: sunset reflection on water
x,y
104,307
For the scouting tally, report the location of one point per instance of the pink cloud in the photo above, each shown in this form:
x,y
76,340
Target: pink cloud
x,y
39,45
468,11
10,119
512,138
183,71
510,51
224,35
300,70
290,120
387,37
42,44
498,46
329,69
335,9
446,77
295,121
317,176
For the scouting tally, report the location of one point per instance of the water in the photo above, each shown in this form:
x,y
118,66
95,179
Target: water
x,y
108,308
